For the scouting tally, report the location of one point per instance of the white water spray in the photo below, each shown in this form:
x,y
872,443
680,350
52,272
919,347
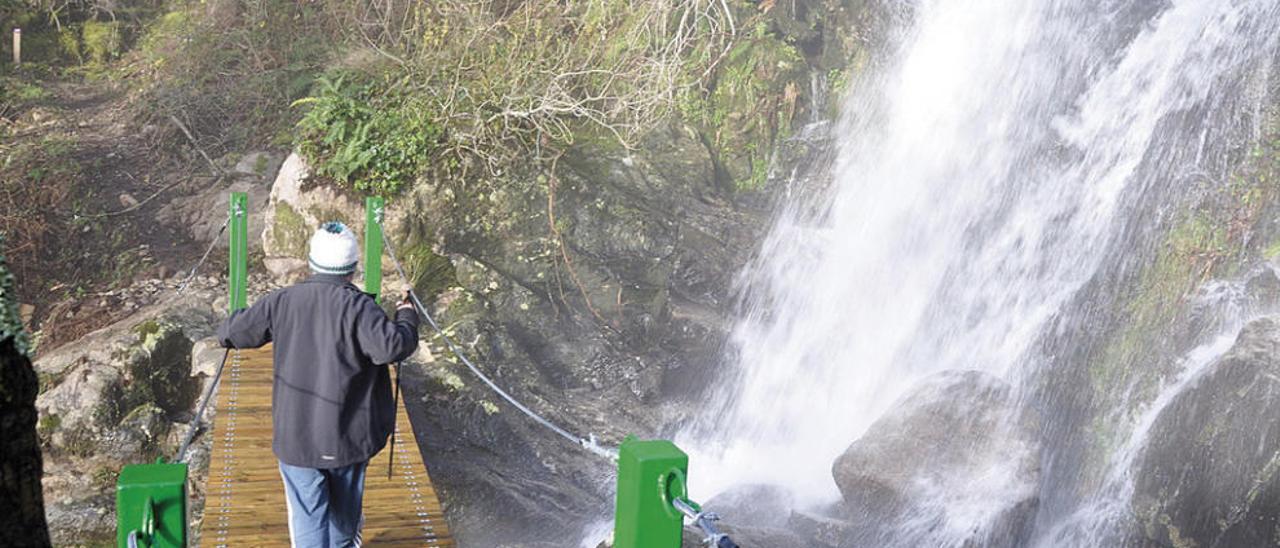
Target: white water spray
x,y
983,177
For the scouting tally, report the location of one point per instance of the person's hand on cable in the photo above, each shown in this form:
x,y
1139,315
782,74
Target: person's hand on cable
x,y
406,302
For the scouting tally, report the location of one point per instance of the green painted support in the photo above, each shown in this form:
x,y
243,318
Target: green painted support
x,y
651,476
373,212
238,246
151,506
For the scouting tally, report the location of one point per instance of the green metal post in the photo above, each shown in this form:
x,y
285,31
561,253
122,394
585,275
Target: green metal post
x,y
238,245
651,474
373,211
151,505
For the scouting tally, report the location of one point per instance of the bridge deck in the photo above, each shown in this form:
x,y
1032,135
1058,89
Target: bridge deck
x,y
244,503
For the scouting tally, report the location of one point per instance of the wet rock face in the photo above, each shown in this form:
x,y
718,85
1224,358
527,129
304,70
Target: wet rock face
x,y
22,521
1211,474
602,324
956,441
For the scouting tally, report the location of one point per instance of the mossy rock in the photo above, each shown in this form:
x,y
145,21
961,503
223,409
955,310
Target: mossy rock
x,y
158,369
289,232
138,436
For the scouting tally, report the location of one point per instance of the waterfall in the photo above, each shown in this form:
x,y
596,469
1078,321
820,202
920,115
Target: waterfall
x,y
998,158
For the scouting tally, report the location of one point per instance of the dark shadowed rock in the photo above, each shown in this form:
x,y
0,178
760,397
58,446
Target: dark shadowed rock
x,y
954,460
1209,475
158,368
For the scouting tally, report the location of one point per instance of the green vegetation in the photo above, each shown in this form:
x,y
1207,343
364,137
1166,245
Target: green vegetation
x,y
478,87
104,478
375,141
431,273
78,443
473,91
58,37
47,425
751,104
156,370
15,93
35,175
230,69
103,41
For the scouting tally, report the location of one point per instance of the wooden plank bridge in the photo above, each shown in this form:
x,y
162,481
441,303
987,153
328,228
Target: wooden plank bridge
x,y
244,503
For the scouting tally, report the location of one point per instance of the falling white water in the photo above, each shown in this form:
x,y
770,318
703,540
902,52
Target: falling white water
x,y
983,177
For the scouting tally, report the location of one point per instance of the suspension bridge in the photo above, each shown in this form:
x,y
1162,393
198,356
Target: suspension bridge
x,y
244,501
244,496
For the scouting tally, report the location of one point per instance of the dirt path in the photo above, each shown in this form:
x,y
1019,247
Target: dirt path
x,y
101,232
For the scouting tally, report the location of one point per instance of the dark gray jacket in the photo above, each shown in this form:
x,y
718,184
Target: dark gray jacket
x,y
331,400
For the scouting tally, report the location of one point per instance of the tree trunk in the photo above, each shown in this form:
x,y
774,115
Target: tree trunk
x,y
22,520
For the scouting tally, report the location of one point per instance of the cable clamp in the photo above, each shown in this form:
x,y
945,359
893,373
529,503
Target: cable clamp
x,y
592,444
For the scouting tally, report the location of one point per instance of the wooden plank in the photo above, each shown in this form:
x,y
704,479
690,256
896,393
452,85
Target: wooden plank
x,y
244,503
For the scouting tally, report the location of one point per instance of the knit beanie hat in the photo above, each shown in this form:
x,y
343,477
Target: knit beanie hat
x,y
334,250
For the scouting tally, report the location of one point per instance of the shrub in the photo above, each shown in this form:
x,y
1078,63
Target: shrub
x,y
69,41
102,40
487,84
374,141
230,69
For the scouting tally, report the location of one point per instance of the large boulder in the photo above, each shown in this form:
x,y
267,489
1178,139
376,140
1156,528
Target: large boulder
x,y
954,462
1209,474
298,205
146,365
203,209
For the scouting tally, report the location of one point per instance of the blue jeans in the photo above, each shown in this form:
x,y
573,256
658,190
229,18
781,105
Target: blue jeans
x,y
324,505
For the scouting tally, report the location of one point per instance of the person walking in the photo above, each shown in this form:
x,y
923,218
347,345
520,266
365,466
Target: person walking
x,y
331,401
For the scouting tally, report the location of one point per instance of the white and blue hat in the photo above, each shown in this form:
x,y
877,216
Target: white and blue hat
x,y
334,250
